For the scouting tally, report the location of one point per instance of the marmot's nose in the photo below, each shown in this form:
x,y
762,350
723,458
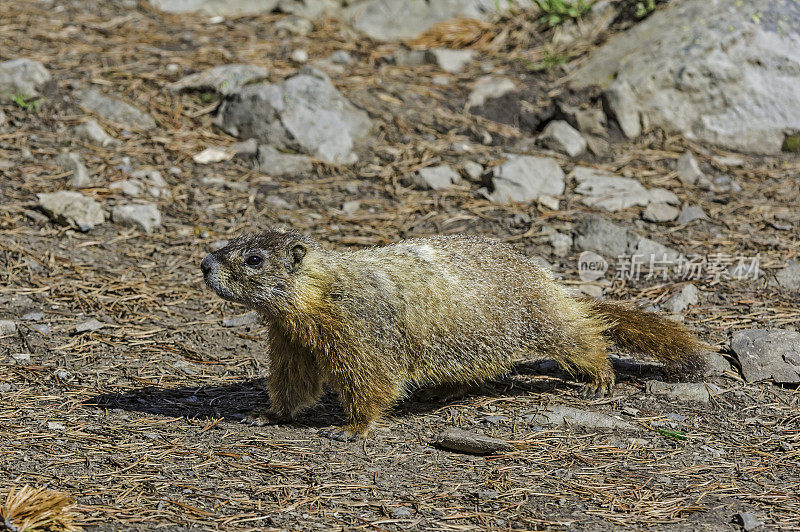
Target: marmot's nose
x,y
208,263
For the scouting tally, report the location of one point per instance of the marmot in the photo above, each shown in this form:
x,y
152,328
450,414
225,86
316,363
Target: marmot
x,y
438,310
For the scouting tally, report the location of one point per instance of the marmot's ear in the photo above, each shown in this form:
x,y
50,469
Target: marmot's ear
x,y
297,252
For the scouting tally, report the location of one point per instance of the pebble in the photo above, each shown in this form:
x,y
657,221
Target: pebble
x,y
469,442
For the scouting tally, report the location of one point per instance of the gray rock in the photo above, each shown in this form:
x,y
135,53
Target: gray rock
x,y
662,195
23,359
341,57
748,521
591,121
689,171
789,276
768,354
595,233
92,132
217,7
524,178
72,208
90,325
715,364
248,318
310,9
7,327
558,415
560,243
304,113
21,77
277,164
683,299
437,177
690,213
660,212
452,61
488,87
389,20
114,110
71,162
295,25
144,215
349,208
401,512
725,73
680,391
473,170
33,316
299,56
608,191
410,57
223,79
560,136
130,187
470,442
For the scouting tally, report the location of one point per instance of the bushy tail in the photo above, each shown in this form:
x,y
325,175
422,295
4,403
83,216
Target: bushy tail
x,y
648,333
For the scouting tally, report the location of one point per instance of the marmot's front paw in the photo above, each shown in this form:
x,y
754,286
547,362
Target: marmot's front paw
x,y
260,417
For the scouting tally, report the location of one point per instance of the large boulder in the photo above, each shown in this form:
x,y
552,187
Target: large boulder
x,y
768,354
305,113
716,71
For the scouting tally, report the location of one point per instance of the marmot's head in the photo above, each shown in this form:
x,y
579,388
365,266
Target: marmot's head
x,y
259,270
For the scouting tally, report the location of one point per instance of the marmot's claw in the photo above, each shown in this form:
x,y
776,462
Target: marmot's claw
x,y
338,434
260,418
596,390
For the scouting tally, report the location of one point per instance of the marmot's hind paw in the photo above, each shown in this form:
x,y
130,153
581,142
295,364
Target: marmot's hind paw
x,y
340,433
261,417
598,388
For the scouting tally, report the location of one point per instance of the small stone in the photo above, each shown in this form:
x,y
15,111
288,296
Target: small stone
x,y
562,137
294,24
683,299
789,276
494,420
241,320
299,56
92,132
409,57
591,290
488,87
33,316
715,364
55,425
525,178
274,163
23,359
349,208
469,442
71,162
146,216
452,61
42,328
473,170
342,57
437,177
608,191
768,354
7,327
89,326
223,79
21,77
591,121
62,374
662,195
130,187
660,212
748,521
623,106
575,417
72,208
401,512
690,213
689,171
114,110
561,244
680,391
550,202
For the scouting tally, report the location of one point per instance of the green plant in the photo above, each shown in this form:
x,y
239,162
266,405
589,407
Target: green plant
x,y
550,59
557,12
645,8
29,104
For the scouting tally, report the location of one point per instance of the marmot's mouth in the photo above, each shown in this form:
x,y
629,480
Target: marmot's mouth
x,y
212,281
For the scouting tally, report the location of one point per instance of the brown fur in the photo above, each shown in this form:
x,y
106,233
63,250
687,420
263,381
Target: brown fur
x,y
439,310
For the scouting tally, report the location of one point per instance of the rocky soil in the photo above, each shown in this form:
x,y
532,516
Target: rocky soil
x,y
133,141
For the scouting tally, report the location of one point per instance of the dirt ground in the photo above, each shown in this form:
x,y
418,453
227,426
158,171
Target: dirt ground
x,y
139,421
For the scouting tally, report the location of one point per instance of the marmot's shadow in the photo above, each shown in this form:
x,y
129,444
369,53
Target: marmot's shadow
x,y
232,402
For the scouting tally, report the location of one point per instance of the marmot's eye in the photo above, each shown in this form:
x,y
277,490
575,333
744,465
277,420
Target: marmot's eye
x,y
253,260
